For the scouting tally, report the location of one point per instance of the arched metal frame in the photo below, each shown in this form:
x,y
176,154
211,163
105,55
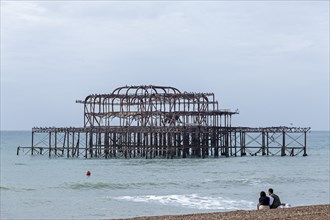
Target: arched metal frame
x,y
153,106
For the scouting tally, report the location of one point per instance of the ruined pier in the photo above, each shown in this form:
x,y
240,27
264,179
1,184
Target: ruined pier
x,y
161,122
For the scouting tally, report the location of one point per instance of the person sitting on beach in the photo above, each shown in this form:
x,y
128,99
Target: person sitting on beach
x,y
276,200
263,201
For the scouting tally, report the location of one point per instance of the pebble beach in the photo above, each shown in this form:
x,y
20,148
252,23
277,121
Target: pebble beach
x,y
315,212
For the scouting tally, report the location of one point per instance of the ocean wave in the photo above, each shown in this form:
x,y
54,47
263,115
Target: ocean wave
x,y
231,182
108,185
15,189
192,201
3,188
20,164
250,182
91,185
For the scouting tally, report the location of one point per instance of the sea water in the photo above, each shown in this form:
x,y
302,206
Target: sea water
x,y
38,187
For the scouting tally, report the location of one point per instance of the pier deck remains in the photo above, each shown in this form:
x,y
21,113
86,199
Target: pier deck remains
x,y
161,122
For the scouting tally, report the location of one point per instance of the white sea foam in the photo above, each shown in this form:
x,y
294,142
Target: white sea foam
x,y
192,201
250,182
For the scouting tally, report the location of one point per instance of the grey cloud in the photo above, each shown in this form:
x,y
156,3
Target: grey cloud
x,y
256,56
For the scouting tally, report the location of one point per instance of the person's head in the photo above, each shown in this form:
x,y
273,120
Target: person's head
x,y
270,191
262,194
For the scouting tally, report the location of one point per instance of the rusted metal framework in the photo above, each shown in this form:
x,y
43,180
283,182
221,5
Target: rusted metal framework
x,y
153,106
162,122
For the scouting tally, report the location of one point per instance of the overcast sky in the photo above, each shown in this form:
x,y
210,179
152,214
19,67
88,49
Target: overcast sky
x,y
269,59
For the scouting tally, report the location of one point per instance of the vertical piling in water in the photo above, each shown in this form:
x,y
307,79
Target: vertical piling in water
x,y
235,143
267,143
68,145
73,150
78,144
283,144
242,143
106,145
305,144
50,144
263,147
32,142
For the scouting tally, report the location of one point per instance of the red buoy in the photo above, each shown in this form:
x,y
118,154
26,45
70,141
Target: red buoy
x,y
88,173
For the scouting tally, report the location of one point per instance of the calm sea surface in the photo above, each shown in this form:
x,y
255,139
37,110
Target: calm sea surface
x,y
41,188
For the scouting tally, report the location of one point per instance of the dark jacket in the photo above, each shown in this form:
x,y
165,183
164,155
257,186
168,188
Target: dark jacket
x,y
264,200
276,202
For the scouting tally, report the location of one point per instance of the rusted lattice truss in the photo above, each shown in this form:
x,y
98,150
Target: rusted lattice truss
x,y
156,121
153,106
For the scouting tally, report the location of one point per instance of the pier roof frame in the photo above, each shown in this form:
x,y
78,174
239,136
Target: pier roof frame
x,y
154,103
